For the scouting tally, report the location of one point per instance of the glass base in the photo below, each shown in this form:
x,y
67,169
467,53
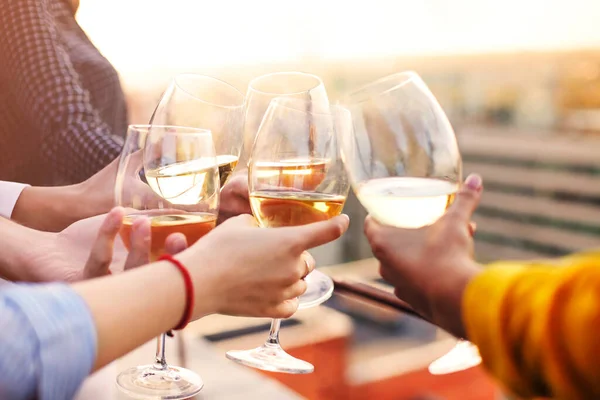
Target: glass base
x,y
464,355
319,290
148,382
270,357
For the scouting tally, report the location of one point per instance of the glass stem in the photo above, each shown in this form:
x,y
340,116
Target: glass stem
x,y
273,339
160,362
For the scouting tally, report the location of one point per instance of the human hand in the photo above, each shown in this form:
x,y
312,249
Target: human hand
x,y
241,269
430,267
53,209
99,190
92,247
235,199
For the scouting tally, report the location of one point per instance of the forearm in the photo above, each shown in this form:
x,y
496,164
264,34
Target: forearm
x,y
536,327
446,297
53,208
16,241
143,303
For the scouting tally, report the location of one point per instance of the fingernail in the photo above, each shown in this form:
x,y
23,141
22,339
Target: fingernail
x,y
346,217
473,181
142,228
116,219
180,243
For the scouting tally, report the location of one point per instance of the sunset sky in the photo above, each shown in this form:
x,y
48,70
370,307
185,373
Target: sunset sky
x,y
142,35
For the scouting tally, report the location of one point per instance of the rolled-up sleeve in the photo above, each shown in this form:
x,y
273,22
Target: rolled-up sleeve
x,y
47,342
9,194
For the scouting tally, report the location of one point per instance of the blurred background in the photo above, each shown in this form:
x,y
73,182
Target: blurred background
x,y
520,82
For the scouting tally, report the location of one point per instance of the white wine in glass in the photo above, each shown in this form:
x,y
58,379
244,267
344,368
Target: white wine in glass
x,y
205,102
404,164
300,87
296,177
179,193
274,209
182,182
407,202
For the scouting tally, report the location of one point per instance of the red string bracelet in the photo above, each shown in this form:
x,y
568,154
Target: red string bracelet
x,y
189,293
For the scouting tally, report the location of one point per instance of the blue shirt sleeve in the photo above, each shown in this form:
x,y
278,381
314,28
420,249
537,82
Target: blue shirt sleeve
x,y
47,342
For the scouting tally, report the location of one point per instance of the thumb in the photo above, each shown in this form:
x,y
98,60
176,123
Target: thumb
x,y
467,199
318,233
140,241
175,243
102,250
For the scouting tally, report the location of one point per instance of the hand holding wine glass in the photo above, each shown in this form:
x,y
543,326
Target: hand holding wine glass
x,y
444,248
296,177
259,270
228,268
404,164
178,193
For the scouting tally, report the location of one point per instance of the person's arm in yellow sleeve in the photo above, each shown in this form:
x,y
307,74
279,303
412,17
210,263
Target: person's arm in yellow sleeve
x,y
537,327
537,324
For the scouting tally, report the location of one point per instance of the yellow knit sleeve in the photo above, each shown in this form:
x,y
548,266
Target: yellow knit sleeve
x,y
537,325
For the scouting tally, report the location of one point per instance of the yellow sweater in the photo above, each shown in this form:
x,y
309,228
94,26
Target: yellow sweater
x,y
538,327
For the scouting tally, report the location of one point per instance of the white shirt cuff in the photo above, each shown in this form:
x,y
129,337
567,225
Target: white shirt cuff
x,y
9,194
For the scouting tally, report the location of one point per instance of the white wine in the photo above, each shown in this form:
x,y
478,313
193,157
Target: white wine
x,y
274,209
227,164
165,222
406,202
186,182
297,173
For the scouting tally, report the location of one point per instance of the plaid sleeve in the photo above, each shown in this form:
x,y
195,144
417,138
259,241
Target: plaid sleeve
x,y
75,142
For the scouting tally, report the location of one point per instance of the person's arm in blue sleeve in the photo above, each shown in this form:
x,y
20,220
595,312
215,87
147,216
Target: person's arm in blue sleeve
x,y
47,342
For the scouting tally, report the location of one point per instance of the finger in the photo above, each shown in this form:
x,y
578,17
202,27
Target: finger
x,y
371,226
231,206
243,220
467,199
286,309
304,266
141,241
385,274
295,290
175,243
316,234
308,264
238,187
98,262
472,228
399,294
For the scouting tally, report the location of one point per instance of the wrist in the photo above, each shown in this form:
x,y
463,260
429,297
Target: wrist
x,y
445,300
205,296
18,259
87,201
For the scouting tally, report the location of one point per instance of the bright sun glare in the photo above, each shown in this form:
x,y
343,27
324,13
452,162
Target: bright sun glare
x,y
145,35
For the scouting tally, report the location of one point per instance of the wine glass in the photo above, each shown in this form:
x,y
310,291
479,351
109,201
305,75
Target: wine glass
x,y
169,175
296,177
303,87
205,102
267,87
404,165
